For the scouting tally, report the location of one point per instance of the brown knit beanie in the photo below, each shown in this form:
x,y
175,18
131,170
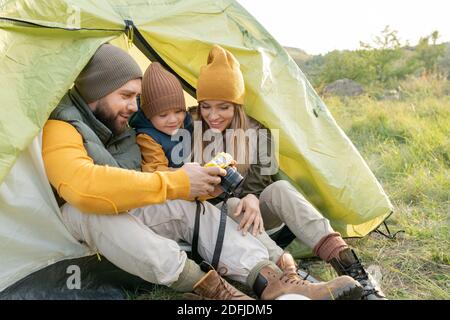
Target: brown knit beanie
x,y
221,78
161,91
109,68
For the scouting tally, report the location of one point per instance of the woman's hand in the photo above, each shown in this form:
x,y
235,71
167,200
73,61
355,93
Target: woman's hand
x,y
249,207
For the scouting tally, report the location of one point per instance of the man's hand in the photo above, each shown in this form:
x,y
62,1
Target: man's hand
x,y
249,207
203,181
217,192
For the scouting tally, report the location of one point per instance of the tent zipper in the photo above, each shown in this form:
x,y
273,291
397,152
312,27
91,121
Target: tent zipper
x,y
150,53
49,27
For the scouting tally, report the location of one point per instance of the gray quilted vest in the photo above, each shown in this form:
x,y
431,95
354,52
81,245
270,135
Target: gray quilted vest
x,y
101,145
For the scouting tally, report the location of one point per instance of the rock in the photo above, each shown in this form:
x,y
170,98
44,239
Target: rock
x,y
375,272
391,95
343,87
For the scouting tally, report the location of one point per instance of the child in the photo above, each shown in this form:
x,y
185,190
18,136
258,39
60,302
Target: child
x,y
162,113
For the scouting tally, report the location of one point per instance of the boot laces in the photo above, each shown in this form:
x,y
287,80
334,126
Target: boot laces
x,y
290,274
356,271
224,285
292,277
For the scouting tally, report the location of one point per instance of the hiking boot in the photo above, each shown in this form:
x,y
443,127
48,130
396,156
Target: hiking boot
x,y
213,287
287,263
270,285
349,265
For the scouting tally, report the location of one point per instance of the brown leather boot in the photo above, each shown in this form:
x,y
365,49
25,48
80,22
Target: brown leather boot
x,y
213,287
270,285
287,264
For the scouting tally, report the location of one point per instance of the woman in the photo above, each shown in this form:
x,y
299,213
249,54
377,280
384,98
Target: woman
x,y
263,201
162,114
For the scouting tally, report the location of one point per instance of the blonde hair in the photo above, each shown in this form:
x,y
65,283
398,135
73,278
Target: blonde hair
x,y
240,121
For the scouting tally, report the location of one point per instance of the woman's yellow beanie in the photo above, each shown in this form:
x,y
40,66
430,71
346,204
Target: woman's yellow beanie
x,y
221,78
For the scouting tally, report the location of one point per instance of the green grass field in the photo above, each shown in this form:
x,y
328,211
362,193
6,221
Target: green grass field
x,y
407,145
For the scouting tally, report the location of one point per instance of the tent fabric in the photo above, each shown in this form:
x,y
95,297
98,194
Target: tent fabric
x,y
38,66
45,44
99,279
32,235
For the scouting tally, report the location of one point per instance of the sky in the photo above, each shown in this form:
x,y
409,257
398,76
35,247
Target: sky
x,y
320,26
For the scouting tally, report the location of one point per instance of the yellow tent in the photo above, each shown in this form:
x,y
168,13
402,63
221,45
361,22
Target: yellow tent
x,y
45,44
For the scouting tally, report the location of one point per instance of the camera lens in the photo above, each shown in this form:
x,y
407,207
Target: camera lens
x,y
231,181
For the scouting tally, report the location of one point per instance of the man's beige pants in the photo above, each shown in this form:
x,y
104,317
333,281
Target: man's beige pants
x,y
281,203
143,242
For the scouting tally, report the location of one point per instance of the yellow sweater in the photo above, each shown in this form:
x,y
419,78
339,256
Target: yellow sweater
x,y
153,156
102,189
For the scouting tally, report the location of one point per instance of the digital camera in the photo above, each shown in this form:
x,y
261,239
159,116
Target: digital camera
x,y
231,181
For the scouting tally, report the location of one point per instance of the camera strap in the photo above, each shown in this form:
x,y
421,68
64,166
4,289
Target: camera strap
x,y
220,235
220,232
195,255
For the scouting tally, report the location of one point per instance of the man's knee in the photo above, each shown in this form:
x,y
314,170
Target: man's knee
x,y
169,210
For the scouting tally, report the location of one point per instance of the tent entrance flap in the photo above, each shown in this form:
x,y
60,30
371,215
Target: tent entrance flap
x,y
144,46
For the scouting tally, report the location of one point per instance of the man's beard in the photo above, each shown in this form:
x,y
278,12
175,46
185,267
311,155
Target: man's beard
x,y
104,114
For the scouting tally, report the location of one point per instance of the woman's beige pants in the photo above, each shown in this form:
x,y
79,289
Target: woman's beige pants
x,y
281,203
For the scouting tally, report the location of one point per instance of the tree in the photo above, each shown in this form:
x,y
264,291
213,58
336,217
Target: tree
x,y
384,56
345,64
381,63
387,41
428,54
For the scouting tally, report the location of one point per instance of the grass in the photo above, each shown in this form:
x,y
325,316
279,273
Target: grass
x,y
406,143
